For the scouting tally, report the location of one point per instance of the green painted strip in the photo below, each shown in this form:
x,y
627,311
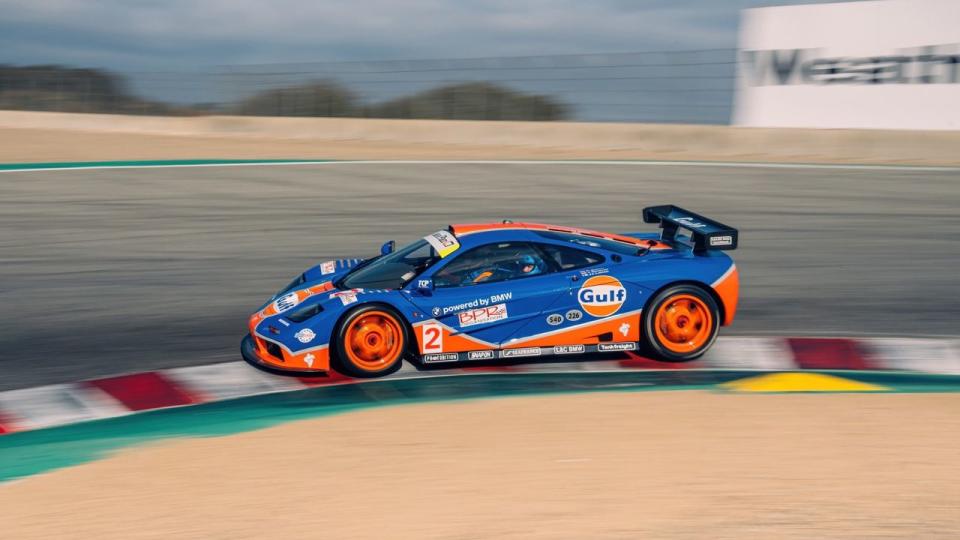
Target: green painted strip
x,y
33,452
149,163
903,382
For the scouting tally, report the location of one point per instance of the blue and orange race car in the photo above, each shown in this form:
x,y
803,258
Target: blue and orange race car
x,y
482,292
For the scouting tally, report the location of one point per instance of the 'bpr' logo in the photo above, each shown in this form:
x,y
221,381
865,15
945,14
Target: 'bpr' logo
x,y
602,296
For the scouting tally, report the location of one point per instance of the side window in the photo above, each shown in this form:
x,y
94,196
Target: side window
x,y
569,258
492,263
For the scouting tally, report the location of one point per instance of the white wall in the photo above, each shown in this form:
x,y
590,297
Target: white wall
x,y
891,64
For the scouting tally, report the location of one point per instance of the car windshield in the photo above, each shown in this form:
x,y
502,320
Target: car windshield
x,y
393,270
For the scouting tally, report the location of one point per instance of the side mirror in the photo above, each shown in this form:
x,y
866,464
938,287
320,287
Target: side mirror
x,y
388,247
425,286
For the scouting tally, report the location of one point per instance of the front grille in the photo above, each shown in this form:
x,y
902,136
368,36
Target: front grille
x,y
272,349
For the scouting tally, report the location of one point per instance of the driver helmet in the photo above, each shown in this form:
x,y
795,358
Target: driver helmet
x,y
529,265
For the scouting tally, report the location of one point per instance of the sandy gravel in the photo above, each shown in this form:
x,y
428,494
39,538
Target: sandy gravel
x,y
678,464
41,145
38,136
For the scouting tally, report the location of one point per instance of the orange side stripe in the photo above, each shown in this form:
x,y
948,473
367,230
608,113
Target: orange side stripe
x,y
586,334
468,228
449,341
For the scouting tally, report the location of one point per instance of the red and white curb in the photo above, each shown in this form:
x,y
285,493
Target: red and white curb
x,y
60,404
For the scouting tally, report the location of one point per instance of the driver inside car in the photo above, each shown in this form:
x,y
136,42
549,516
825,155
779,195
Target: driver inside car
x,y
525,265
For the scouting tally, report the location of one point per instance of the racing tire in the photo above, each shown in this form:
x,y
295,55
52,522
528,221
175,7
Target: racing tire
x,y
680,323
371,341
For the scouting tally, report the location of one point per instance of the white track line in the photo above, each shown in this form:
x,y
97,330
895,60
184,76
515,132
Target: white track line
x,y
717,164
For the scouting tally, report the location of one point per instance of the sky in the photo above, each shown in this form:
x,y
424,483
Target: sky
x,y
133,36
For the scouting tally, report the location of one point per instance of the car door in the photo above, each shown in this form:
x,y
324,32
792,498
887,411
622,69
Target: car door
x,y
482,296
580,315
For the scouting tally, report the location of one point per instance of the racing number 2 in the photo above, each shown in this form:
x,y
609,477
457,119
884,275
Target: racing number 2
x,y
432,338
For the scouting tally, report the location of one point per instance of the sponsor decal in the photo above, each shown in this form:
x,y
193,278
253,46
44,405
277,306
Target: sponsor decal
x,y
569,349
443,242
328,267
286,302
283,322
477,303
926,64
480,355
615,347
589,272
431,335
305,336
347,297
690,223
624,329
291,300
482,315
441,357
721,240
555,319
423,283
308,359
574,315
525,351
436,311
602,296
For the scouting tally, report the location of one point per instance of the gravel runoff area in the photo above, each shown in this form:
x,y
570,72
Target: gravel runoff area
x,y
685,464
27,136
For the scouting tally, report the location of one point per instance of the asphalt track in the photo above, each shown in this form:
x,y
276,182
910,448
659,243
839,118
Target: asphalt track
x,y
108,271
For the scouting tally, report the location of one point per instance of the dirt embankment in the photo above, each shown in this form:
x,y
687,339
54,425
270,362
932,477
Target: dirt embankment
x,y
37,136
631,465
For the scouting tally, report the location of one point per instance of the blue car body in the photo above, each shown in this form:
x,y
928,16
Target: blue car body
x,y
590,308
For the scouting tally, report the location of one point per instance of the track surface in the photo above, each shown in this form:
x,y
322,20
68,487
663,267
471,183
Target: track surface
x,y
124,270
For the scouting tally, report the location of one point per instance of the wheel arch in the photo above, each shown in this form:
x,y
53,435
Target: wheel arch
x,y
407,325
710,290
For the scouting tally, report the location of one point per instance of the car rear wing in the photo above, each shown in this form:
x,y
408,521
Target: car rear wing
x,y
705,233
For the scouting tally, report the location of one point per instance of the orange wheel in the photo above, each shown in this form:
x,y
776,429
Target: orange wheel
x,y
681,323
371,342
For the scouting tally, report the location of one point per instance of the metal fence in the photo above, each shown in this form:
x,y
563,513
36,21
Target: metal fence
x,y
694,86
656,86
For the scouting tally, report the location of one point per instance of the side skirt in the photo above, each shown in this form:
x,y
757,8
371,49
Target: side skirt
x,y
527,352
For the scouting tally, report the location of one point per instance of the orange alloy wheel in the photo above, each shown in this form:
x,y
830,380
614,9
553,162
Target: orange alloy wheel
x,y
373,341
683,323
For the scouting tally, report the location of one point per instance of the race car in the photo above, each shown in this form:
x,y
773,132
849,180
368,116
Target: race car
x,y
484,292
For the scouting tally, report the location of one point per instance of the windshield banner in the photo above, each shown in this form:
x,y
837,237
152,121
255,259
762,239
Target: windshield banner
x,y
443,242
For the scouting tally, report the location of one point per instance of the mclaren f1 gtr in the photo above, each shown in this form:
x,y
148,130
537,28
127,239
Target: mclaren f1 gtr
x,y
484,292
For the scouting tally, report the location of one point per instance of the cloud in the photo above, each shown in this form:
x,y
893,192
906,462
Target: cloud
x,y
148,35
176,50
